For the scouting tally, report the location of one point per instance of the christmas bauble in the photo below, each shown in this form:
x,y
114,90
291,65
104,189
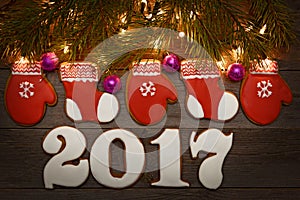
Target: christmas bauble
x,y
112,84
171,63
49,61
236,72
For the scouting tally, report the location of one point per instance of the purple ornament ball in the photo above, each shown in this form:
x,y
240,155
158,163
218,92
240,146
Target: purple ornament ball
x,y
171,63
112,84
236,72
49,61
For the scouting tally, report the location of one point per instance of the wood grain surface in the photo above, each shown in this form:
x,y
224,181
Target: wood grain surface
x,y
263,163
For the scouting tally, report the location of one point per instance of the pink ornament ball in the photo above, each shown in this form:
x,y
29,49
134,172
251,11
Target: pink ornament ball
x,y
171,63
236,72
49,61
112,84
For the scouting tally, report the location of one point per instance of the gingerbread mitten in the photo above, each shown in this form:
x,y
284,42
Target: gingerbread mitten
x,y
83,100
205,99
148,92
27,93
263,91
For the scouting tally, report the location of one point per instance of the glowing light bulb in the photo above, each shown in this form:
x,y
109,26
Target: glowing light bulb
x,y
221,65
191,14
123,31
123,18
249,28
149,16
181,34
23,60
239,50
161,12
66,49
263,29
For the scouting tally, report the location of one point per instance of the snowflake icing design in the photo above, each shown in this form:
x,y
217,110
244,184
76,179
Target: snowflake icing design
x,y
148,88
264,89
26,87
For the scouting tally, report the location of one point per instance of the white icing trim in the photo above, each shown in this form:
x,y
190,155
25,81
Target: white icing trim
x,y
108,107
80,64
228,106
197,60
79,79
146,73
26,73
70,72
73,110
268,73
146,67
194,107
200,76
264,66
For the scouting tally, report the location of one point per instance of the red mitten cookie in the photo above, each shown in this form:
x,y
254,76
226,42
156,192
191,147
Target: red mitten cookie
x,y
204,97
263,91
148,92
27,93
83,100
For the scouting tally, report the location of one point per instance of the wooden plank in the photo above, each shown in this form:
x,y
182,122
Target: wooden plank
x,y
56,116
153,193
290,60
258,158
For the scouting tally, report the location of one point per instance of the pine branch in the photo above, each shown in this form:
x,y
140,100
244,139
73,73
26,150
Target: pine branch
x,y
32,28
278,20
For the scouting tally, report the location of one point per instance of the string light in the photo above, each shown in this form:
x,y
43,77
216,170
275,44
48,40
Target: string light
x,y
236,53
247,29
66,49
49,2
123,18
123,31
263,29
149,16
191,14
181,34
220,65
161,12
22,60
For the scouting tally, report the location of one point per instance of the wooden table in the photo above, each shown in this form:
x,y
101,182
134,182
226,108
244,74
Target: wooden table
x,y
263,163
